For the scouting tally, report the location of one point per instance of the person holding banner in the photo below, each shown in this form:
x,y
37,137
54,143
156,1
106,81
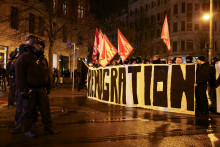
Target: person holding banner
x,y
156,59
212,85
203,73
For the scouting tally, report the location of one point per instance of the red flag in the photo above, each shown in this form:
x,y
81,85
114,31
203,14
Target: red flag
x,y
107,53
100,46
165,33
124,47
95,47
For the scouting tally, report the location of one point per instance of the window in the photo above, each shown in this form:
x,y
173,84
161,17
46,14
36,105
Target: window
x,y
14,18
146,7
197,7
183,45
189,45
165,1
183,26
152,5
189,26
189,17
175,9
158,2
189,7
196,27
54,5
175,27
80,11
174,46
26,1
32,23
136,11
158,32
183,7
152,19
64,7
64,34
158,16
41,26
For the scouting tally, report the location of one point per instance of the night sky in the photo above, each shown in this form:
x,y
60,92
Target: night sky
x,y
102,8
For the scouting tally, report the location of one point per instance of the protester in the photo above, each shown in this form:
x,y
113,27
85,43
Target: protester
x,y
202,77
174,60
170,61
146,61
179,60
188,59
11,78
212,85
156,59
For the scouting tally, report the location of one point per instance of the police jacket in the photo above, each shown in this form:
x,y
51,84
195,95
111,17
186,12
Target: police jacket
x,y
11,71
203,73
32,71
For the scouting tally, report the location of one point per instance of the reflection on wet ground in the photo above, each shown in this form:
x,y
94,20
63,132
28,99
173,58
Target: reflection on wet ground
x,y
126,123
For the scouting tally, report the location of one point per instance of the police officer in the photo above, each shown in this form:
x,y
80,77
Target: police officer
x,y
32,78
203,73
19,101
11,78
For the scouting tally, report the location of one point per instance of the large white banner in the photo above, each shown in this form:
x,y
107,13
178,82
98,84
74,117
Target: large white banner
x,y
158,87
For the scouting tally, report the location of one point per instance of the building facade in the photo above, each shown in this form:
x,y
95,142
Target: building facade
x,y
51,20
189,33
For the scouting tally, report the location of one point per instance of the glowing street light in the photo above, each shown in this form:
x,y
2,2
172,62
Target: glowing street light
x,y
206,17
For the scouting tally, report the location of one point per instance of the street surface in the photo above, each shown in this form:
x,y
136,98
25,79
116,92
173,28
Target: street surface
x,y
87,123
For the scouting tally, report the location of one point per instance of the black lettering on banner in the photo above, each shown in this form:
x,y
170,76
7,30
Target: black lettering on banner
x,y
122,80
134,70
105,92
114,93
100,84
89,82
160,75
96,75
179,85
147,80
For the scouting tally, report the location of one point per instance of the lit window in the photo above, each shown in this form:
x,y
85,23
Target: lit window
x,y
80,11
54,4
64,7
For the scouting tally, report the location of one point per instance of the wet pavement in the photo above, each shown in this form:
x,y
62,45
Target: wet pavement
x,y
85,122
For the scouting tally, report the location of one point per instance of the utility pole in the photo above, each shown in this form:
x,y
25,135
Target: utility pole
x,y
74,50
211,33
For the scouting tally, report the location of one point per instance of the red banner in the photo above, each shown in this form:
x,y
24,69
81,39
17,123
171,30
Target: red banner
x,y
107,53
95,47
165,33
124,47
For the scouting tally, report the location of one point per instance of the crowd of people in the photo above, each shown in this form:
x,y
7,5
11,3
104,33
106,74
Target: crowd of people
x,y
205,78
30,85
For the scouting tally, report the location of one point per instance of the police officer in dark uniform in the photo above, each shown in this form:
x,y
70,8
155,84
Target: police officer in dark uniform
x,y
32,79
203,73
11,78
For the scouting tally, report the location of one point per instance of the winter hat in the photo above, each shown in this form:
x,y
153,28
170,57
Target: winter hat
x,y
201,58
189,57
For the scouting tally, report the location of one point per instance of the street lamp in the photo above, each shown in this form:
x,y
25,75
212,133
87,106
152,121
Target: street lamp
x,y
211,34
206,16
